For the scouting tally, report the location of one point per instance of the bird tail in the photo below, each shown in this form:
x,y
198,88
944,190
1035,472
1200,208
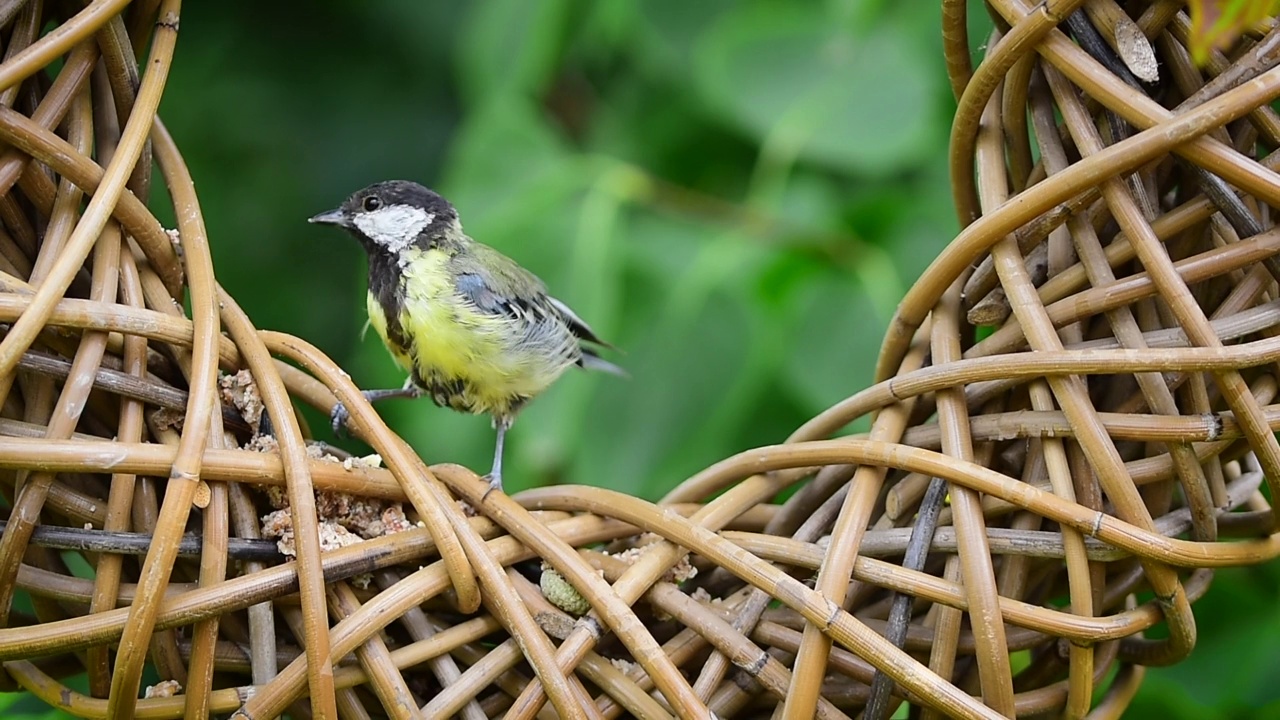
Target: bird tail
x,y
591,361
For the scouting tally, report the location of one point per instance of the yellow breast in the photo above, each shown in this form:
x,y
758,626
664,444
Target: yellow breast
x,y
449,341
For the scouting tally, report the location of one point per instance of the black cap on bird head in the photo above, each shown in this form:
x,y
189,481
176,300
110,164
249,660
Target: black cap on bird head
x,y
393,215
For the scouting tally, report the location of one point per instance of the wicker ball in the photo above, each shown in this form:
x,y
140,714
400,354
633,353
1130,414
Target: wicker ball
x,y
1094,354
1073,412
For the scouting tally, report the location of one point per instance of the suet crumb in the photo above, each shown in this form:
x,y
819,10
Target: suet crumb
x,y
625,666
344,519
240,392
278,524
368,461
175,239
319,451
701,595
682,571
365,518
263,444
163,689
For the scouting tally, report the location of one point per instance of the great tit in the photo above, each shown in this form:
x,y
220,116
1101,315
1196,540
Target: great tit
x,y
475,331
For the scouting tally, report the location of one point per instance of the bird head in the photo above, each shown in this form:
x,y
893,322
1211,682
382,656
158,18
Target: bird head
x,y
395,215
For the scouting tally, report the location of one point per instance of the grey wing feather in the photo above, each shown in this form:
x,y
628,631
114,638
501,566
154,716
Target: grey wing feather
x,y
473,287
591,361
495,278
577,325
496,284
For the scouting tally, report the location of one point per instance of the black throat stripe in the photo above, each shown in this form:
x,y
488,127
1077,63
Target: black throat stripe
x,y
386,287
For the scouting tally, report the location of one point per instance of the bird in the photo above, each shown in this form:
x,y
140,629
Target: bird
x,y
474,330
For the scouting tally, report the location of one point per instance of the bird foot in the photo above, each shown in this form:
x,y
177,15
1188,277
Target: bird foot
x,y
338,417
495,483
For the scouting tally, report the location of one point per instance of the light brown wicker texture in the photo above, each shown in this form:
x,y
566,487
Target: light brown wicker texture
x,y
979,553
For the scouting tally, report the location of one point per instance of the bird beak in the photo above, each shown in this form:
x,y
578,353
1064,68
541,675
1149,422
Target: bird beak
x,y
331,217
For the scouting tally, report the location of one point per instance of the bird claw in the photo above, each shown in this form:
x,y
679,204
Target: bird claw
x,y
338,417
495,483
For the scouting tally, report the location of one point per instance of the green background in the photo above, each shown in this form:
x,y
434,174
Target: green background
x,y
736,194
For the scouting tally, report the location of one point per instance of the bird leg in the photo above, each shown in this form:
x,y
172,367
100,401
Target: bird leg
x,y
495,475
339,415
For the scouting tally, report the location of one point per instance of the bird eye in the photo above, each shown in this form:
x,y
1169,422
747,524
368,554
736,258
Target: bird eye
x,y
371,203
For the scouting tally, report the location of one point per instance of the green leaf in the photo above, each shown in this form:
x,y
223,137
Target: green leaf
x,y
911,220
589,270
835,345
792,77
672,29
505,145
511,46
690,387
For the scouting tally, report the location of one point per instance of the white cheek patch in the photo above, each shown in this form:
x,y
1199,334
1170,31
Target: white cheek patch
x,y
394,227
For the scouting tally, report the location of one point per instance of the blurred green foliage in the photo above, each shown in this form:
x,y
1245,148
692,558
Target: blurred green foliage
x,y
735,193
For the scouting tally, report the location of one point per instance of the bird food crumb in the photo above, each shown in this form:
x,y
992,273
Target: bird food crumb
x,y
240,392
163,689
626,666
368,461
344,519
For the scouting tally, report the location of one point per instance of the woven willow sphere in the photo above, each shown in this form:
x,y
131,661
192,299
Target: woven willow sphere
x,y
1073,416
